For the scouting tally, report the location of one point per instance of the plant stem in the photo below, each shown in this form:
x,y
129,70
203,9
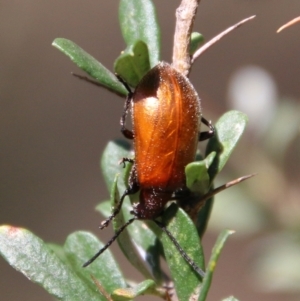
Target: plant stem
x,y
217,38
185,16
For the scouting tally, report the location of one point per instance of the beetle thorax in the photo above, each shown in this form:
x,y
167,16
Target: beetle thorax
x,y
152,203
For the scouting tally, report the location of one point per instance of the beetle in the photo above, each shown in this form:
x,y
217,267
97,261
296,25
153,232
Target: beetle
x,y
166,118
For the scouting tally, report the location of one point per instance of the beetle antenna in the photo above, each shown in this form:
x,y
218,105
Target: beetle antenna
x,y
106,222
181,251
120,230
133,188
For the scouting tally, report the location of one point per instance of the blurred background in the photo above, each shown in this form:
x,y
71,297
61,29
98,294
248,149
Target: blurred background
x,y
55,127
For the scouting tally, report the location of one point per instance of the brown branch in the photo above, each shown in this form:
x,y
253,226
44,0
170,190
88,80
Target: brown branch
x,y
225,186
217,38
193,207
290,23
185,16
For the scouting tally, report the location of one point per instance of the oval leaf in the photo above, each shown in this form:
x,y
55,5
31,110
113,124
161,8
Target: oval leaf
x,y
90,65
32,257
197,178
113,153
229,130
133,63
198,181
139,23
80,247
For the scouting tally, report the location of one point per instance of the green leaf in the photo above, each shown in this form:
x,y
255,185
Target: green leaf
x,y
203,215
213,262
229,130
145,287
133,63
197,178
231,298
187,282
59,252
80,247
90,65
113,153
196,40
32,257
139,23
209,159
198,181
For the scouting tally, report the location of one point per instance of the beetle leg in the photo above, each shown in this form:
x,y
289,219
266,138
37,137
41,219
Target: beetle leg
x,y
123,160
127,133
208,134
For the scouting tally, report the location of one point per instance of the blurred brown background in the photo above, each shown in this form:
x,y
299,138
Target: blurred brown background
x,y
54,127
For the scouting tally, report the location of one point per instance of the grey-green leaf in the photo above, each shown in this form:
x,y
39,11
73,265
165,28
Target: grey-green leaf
x,y
187,281
90,65
59,252
197,178
133,63
229,130
198,181
139,23
113,153
213,262
32,257
80,247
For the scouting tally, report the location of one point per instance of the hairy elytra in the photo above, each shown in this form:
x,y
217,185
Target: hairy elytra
x,y
166,116
166,121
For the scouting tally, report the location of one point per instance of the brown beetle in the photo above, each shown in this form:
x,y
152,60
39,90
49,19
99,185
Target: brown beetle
x,y
166,117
